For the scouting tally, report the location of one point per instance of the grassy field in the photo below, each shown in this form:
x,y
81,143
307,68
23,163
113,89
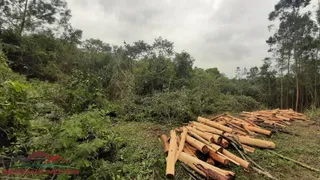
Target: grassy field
x,y
144,155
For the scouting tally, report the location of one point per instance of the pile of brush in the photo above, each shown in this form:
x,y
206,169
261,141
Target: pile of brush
x,y
203,143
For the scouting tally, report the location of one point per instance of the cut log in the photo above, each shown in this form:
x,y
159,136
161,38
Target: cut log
x,y
248,148
239,160
256,142
282,117
208,136
190,147
224,143
210,161
192,166
259,130
216,117
171,155
211,174
211,146
164,140
206,128
189,151
214,124
197,144
218,158
222,122
189,160
236,128
181,144
249,132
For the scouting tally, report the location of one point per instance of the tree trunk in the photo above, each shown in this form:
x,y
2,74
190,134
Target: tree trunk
x,y
23,22
302,98
297,86
288,83
315,91
281,86
281,94
315,101
269,93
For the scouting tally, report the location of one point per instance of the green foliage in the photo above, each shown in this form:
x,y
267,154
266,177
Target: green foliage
x,y
84,90
168,106
154,74
142,157
85,140
313,113
5,72
14,108
27,15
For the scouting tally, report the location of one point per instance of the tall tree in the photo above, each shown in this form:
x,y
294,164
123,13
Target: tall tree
x,y
289,39
31,15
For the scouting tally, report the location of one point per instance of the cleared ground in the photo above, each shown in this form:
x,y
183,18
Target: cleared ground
x,y
145,151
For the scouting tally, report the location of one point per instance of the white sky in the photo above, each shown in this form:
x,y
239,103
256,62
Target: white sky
x,y
218,33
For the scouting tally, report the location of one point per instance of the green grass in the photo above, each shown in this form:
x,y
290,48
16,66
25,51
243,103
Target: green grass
x,y
144,158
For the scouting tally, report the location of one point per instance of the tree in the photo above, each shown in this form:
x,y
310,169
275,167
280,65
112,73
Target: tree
x,y
32,15
289,40
253,73
163,47
183,64
96,46
268,79
153,74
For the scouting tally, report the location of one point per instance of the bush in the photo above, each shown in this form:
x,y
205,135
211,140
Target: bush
x,y
86,140
160,107
183,105
6,73
247,103
229,103
313,113
15,110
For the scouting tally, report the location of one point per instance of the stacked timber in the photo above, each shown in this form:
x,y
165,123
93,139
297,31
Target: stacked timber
x,y
276,117
213,135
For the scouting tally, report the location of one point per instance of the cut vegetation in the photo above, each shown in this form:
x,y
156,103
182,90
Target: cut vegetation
x,y
206,136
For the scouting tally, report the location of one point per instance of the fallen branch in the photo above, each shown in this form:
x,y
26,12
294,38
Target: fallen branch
x,y
297,162
191,173
264,173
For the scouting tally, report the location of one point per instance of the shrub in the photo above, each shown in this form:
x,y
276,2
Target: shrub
x,y
247,103
313,113
15,110
85,140
160,107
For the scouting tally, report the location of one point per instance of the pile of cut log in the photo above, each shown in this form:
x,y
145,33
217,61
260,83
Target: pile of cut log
x,y
203,143
276,117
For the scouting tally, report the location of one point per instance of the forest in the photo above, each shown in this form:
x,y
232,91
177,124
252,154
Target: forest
x,y
62,94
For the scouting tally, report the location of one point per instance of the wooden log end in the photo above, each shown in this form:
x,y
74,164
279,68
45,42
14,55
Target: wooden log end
x,y
205,149
165,143
170,176
210,161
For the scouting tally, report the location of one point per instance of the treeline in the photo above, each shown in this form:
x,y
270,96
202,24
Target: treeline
x,y
289,78
153,77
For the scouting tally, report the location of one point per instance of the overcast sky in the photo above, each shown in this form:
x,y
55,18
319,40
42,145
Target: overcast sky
x,y
218,33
